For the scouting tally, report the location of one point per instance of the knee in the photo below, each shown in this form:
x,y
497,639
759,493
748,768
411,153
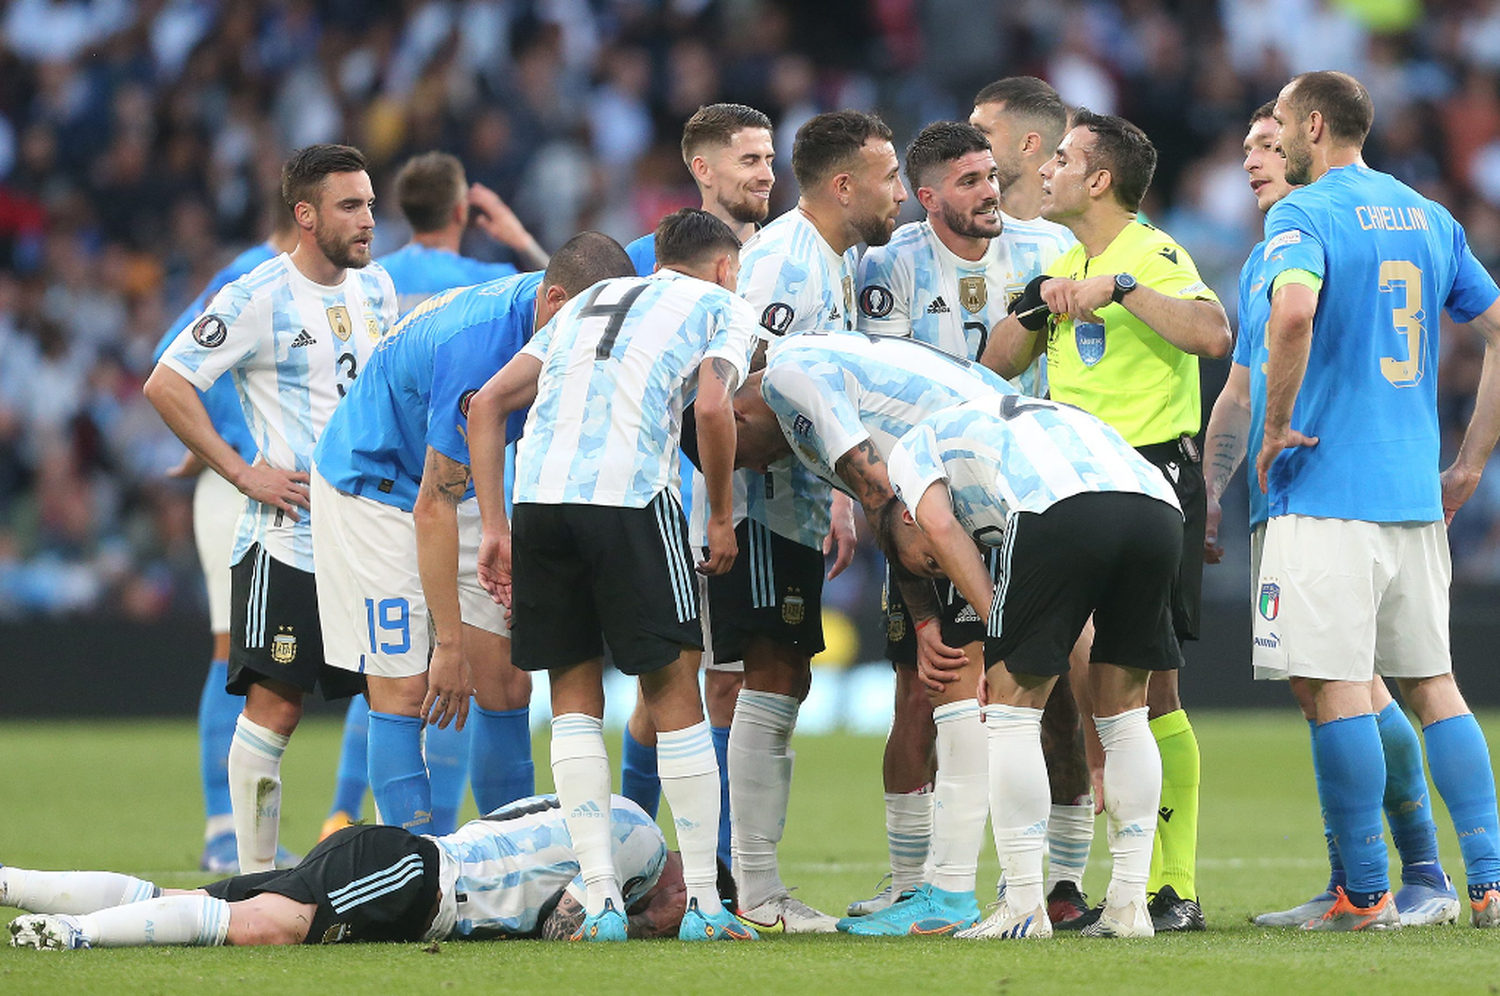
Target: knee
x,y
275,712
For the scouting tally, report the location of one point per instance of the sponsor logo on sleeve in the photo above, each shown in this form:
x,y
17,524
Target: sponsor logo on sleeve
x,y
210,331
1290,238
464,399
777,318
802,426
876,301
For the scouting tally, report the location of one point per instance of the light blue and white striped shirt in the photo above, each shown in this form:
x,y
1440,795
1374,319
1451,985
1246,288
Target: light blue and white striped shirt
x,y
293,347
619,365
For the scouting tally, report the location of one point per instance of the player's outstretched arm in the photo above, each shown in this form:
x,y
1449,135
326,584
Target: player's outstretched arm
x,y
500,223
1228,438
512,388
180,407
449,680
1462,476
714,409
1288,342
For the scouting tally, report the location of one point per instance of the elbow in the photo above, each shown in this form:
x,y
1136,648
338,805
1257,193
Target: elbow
x,y
1220,341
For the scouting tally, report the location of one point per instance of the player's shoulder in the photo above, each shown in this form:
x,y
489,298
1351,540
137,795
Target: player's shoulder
x,y
245,262
265,280
789,234
1037,229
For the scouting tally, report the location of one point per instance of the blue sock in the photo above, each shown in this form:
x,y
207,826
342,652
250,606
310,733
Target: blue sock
x,y
1336,877
638,779
1408,807
1351,782
500,757
398,778
1460,761
217,713
354,769
447,754
721,748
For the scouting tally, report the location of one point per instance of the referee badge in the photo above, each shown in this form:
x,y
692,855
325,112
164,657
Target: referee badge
x,y
284,648
793,609
973,294
338,322
1089,337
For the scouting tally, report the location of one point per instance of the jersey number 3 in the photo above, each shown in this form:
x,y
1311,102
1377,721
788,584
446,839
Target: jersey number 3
x,y
1402,277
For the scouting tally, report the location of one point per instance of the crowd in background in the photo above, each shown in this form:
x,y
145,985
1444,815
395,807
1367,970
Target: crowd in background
x,y
140,141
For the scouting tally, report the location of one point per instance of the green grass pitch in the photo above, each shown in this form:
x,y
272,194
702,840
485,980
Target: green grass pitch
x,y
124,796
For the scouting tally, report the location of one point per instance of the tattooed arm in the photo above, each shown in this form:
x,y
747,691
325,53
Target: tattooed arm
x,y
449,680
567,917
564,920
865,473
1228,438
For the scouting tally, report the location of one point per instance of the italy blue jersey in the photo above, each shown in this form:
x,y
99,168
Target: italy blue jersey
x,y
1250,352
1006,454
1389,259
831,392
220,400
642,253
419,272
619,365
414,392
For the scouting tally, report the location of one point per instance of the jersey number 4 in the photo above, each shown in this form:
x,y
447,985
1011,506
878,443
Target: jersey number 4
x,y
1403,278
614,312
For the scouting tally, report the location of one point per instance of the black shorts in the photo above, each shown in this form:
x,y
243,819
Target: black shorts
x,y
960,623
1181,464
1109,554
274,631
369,883
590,575
774,589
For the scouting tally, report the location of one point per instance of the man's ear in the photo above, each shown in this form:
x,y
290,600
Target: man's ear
x,y
906,516
740,416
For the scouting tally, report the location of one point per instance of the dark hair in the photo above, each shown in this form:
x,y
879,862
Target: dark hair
x,y
303,174
939,144
828,144
717,124
1030,98
1261,113
883,523
1124,150
584,260
691,235
427,187
1342,100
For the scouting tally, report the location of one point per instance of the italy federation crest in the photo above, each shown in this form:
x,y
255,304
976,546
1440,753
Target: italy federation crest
x,y
793,609
284,648
1089,337
338,321
1270,600
973,294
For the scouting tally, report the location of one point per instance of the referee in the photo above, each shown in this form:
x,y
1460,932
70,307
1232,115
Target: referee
x,y
1127,317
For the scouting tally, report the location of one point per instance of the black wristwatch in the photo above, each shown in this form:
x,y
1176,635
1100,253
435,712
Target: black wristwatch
x,y
1124,284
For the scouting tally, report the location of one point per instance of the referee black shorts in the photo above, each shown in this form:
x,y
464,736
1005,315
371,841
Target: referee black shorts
x,y
590,575
369,883
960,623
1109,554
1181,463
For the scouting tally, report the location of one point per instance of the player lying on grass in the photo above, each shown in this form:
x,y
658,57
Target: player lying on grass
x,y
511,874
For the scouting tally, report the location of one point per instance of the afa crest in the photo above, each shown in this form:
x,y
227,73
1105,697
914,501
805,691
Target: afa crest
x,y
793,608
973,294
284,648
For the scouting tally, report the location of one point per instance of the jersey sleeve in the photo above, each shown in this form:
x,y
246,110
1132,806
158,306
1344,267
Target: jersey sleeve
x,y
1473,290
819,419
1169,270
914,465
1291,244
735,336
233,328
885,285
775,286
1242,309
456,378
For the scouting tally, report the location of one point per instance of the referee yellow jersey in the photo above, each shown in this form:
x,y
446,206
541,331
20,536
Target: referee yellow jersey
x,y
1122,371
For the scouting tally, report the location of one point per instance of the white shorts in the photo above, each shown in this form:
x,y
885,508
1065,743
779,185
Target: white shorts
x,y
217,505
369,589
1344,600
475,605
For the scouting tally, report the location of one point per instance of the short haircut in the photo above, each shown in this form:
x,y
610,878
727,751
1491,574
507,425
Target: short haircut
x,y
829,144
1261,113
1342,100
1032,99
584,260
1124,150
717,124
427,187
939,144
691,236
303,174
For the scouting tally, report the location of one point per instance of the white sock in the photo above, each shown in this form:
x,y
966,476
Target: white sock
x,y
255,793
760,783
198,920
70,892
580,770
1070,834
1132,792
908,834
1020,797
689,771
960,796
